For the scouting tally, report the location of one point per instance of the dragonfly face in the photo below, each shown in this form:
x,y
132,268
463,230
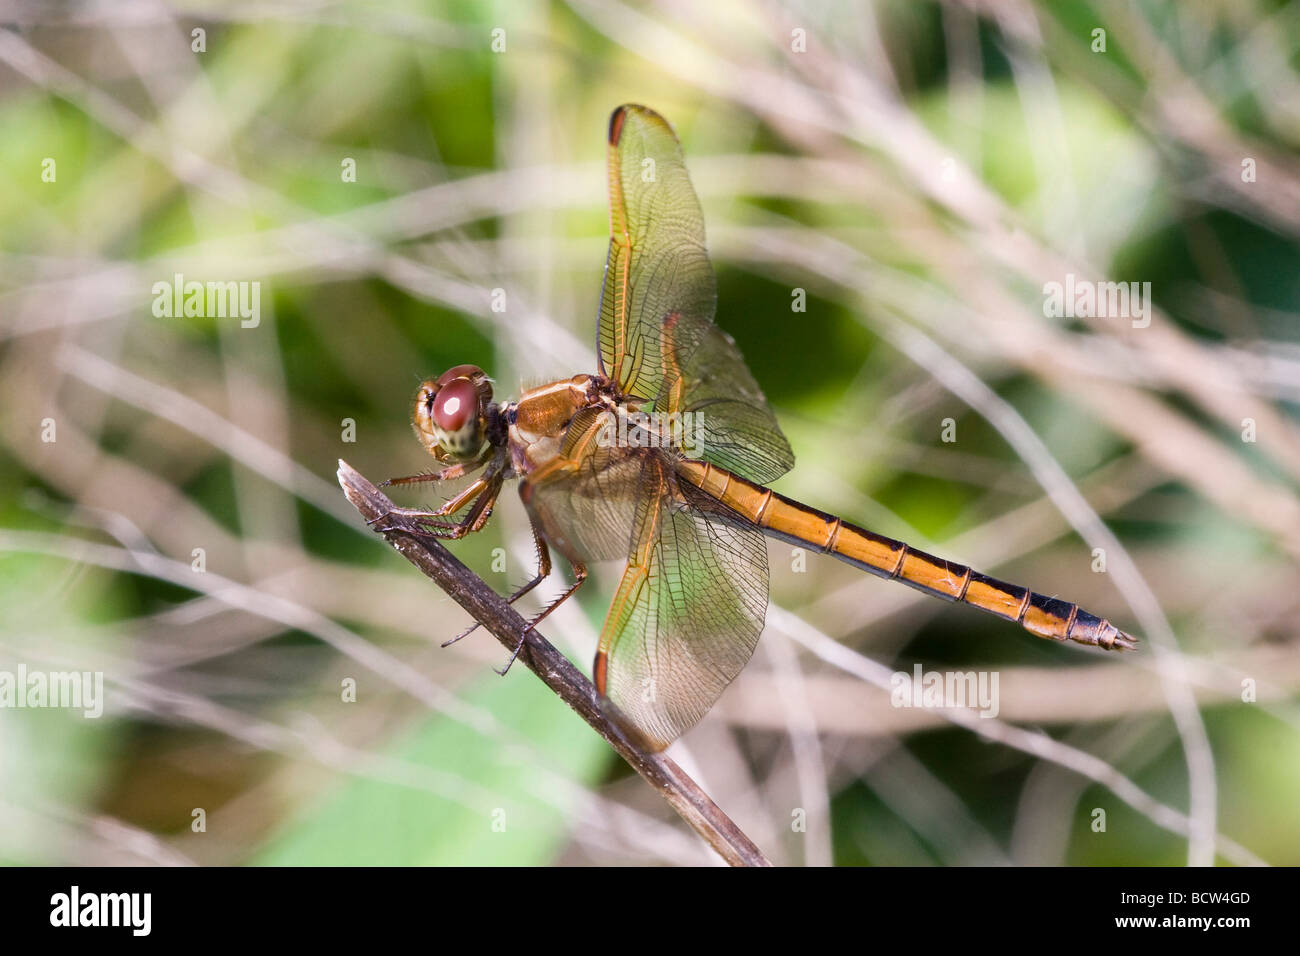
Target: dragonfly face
x,y
452,413
601,480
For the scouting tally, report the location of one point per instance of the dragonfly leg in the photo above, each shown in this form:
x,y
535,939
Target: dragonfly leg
x,y
543,572
482,492
449,508
580,575
450,473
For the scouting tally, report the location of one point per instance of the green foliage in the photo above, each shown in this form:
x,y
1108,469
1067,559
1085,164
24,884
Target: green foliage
x,y
498,809
227,165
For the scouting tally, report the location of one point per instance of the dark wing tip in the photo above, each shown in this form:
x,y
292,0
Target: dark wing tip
x,y
616,123
618,118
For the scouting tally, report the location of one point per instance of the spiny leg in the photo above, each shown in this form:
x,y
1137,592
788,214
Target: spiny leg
x,y
580,575
449,507
486,488
543,572
450,473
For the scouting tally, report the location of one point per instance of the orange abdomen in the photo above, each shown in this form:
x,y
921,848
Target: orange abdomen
x,y
799,524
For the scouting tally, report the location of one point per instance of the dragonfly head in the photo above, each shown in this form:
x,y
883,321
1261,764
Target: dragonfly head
x,y
451,413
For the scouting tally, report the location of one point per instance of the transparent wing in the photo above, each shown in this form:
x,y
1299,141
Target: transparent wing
x,y
691,603
732,426
688,611
586,502
657,263
657,340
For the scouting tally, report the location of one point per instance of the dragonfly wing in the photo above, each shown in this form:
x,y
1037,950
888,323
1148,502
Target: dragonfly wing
x,y
688,611
585,500
657,264
730,423
657,340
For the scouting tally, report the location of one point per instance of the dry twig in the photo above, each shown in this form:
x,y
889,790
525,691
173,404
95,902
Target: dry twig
x,y
488,608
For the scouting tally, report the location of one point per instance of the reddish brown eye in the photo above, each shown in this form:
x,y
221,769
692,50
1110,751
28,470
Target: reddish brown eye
x,y
460,371
455,404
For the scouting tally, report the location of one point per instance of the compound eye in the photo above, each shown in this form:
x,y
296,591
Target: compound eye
x,y
455,405
459,371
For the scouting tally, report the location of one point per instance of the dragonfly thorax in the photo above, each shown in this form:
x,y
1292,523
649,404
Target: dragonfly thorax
x,y
537,423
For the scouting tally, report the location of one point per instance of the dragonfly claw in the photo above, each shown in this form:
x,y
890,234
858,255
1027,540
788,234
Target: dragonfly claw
x,y
380,525
523,639
502,671
462,635
429,521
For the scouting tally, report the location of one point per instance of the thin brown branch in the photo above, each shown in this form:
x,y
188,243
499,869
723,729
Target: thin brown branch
x,y
487,607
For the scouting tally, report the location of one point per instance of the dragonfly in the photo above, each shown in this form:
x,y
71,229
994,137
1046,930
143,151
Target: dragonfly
x,y
609,469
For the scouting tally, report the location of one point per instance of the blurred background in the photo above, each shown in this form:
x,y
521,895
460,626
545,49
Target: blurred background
x,y
412,186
